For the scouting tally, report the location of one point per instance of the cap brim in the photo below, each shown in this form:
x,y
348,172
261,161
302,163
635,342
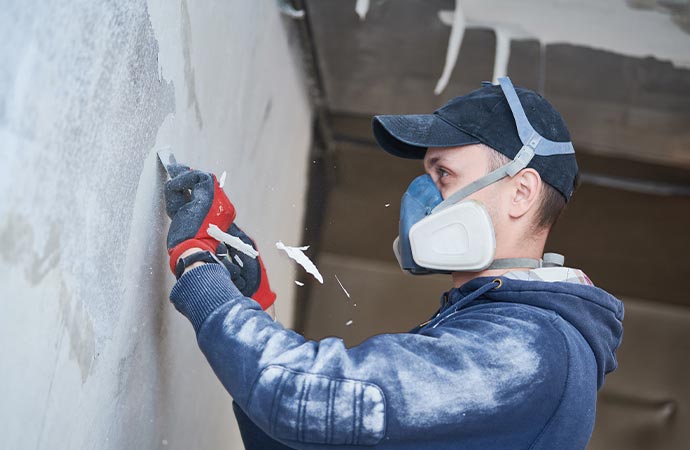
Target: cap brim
x,y
409,136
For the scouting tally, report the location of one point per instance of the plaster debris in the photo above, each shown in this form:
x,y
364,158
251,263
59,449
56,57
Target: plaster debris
x,y
232,241
221,183
502,54
504,32
348,323
288,10
457,32
297,253
299,283
341,286
361,8
239,261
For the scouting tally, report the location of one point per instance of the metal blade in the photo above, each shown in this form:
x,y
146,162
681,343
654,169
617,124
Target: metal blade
x,y
166,158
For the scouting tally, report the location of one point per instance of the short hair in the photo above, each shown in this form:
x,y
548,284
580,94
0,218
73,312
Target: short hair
x,y
552,202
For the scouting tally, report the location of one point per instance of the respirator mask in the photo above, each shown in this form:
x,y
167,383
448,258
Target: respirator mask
x,y
455,234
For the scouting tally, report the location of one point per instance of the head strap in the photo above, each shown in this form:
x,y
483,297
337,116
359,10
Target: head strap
x,y
528,135
532,144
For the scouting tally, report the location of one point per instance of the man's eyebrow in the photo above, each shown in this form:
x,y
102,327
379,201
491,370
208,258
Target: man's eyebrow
x,y
432,162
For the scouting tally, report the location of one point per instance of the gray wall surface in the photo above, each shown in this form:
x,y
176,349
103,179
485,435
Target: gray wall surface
x,y
93,356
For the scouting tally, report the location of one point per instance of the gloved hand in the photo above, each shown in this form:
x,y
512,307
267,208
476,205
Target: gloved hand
x,y
193,200
247,273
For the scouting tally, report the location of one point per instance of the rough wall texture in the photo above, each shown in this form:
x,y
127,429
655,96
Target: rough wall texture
x,y
93,355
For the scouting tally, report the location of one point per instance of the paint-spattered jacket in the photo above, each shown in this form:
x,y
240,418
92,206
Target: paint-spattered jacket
x,y
506,364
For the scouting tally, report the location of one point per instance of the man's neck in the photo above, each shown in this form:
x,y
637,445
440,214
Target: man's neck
x,y
533,251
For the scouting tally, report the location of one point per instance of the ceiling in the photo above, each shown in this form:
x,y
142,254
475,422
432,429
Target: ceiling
x,y
618,100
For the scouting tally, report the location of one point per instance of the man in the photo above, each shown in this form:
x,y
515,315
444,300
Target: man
x,y
514,356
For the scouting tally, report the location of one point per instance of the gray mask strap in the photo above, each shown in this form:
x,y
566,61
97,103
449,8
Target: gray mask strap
x,y
528,135
532,144
521,160
514,263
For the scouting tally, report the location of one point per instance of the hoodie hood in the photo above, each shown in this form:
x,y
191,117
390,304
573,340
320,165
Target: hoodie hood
x,y
595,313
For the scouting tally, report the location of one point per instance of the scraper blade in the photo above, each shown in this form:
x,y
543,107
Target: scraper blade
x,y
167,159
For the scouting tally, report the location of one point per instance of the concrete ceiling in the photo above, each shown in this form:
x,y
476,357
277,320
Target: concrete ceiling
x,y
634,103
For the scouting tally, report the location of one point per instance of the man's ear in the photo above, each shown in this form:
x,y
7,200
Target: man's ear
x,y
526,190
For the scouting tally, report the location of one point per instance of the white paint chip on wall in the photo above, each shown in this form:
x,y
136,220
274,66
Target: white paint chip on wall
x,y
297,254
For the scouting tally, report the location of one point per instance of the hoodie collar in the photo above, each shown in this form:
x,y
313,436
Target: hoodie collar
x,y
552,274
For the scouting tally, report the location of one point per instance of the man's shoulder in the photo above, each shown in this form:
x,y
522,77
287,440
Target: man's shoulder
x,y
507,318
497,331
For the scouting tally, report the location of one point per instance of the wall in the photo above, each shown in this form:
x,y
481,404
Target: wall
x,y
93,355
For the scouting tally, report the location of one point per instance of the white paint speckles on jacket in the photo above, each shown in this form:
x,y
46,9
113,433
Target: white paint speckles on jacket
x,y
515,367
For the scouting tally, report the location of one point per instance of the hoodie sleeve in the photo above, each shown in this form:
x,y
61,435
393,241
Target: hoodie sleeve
x,y
308,393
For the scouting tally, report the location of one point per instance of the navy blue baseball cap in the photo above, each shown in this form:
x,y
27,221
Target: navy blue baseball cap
x,y
484,116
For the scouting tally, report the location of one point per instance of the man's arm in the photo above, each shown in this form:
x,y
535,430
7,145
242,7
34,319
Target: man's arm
x,y
391,388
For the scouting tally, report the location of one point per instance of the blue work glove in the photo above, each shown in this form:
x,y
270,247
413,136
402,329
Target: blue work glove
x,y
193,201
247,273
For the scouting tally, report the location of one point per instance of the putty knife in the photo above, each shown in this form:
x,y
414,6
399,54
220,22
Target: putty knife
x,y
166,158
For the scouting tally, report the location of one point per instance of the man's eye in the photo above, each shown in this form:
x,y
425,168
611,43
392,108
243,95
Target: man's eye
x,y
441,173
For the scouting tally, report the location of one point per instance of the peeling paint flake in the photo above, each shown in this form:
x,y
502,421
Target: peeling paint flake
x,y
299,283
348,323
297,254
457,32
341,286
221,182
232,241
362,8
239,261
502,54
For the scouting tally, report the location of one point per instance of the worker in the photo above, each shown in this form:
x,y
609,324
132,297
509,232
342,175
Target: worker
x,y
512,359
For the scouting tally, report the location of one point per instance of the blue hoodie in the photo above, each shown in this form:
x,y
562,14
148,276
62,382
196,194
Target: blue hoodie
x,y
505,364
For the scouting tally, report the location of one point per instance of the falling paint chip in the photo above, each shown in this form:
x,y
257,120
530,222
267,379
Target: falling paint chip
x,y
221,183
239,261
232,241
299,283
387,205
342,287
348,323
297,253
